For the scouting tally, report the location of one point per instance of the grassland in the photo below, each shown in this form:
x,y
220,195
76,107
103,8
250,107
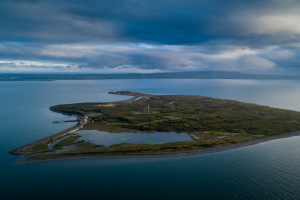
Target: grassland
x,y
66,142
39,148
141,149
204,118
88,145
190,113
42,147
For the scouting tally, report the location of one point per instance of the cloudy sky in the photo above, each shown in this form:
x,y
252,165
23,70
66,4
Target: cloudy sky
x,y
125,36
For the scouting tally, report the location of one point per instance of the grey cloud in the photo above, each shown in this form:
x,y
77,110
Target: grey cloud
x,y
140,60
181,35
160,22
154,57
254,62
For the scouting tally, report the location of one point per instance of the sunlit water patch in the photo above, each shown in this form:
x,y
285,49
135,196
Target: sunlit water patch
x,y
107,139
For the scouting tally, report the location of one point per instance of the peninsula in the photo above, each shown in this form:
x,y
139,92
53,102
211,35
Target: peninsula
x,y
212,125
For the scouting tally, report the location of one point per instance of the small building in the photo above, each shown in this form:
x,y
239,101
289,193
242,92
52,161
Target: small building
x,y
135,112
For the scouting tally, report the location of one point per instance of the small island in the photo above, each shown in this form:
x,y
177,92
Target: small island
x,y
208,124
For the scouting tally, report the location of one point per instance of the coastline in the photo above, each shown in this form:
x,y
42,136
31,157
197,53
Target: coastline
x,y
27,159
20,150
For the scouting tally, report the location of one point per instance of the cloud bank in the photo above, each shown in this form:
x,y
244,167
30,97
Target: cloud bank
x,y
149,36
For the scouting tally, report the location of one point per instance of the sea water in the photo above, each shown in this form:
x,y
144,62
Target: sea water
x,y
267,170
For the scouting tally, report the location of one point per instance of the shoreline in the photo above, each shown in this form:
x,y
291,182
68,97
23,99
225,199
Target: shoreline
x,y
19,151
27,159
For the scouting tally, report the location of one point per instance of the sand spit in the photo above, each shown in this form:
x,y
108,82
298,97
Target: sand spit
x,y
21,150
27,159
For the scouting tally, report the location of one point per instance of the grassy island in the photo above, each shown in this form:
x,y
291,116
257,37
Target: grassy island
x,y
209,121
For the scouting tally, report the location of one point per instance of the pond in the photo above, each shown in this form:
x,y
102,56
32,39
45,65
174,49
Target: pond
x,y
107,139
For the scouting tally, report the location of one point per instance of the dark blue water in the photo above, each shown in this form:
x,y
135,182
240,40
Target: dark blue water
x,y
265,171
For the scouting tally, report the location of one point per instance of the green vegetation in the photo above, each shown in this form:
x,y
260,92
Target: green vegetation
x,y
187,114
101,126
66,142
206,119
39,148
43,146
88,145
138,149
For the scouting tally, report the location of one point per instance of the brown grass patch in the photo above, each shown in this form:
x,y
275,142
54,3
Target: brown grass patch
x,y
107,105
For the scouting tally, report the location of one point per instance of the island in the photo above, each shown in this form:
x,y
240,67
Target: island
x,y
206,125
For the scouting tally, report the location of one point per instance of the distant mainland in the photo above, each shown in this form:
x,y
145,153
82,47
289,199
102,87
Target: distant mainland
x,y
169,75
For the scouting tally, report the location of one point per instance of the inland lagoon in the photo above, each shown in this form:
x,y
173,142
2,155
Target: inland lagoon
x,y
106,139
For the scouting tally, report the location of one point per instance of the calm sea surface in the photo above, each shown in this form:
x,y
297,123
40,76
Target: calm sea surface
x,y
268,170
